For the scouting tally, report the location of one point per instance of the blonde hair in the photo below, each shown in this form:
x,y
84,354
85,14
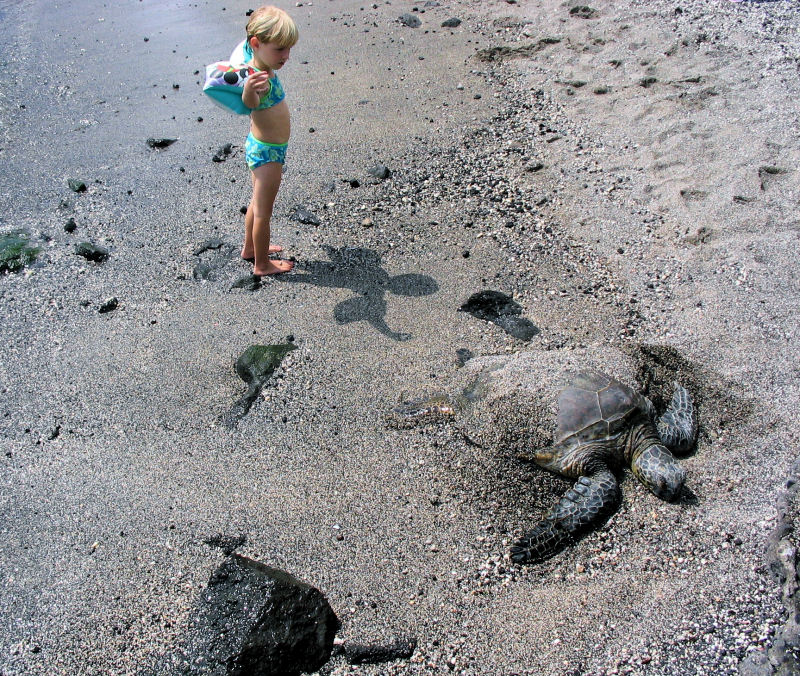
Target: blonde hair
x,y
271,24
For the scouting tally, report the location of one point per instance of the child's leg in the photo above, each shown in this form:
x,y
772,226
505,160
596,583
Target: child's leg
x,y
248,252
266,181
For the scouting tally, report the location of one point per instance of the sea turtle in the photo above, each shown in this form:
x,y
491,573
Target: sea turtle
x,y
601,424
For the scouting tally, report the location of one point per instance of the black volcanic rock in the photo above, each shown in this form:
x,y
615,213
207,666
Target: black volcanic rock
x,y
255,620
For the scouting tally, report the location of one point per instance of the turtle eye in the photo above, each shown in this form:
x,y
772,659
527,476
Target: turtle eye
x,y
231,77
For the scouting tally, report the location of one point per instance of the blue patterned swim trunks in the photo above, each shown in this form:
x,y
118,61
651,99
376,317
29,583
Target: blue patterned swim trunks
x,y
258,153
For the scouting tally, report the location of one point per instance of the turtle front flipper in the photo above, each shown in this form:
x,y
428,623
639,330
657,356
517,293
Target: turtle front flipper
x,y
590,500
678,426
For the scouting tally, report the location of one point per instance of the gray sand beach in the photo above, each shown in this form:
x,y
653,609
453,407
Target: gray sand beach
x,y
628,172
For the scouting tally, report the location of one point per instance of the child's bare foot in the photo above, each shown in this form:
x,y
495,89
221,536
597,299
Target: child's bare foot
x,y
273,268
249,254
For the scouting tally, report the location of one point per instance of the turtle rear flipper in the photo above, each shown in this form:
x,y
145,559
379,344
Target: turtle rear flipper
x,y
590,500
546,539
678,426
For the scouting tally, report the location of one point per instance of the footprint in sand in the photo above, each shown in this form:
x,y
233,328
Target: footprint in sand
x,y
769,174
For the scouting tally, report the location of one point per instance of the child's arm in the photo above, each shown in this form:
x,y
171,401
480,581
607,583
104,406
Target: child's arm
x,y
255,86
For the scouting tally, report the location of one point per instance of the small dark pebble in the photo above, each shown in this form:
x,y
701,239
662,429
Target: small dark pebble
x,y
582,12
91,252
303,215
399,649
410,20
452,22
774,171
108,305
242,210
70,225
463,355
76,185
222,154
160,142
380,172
647,82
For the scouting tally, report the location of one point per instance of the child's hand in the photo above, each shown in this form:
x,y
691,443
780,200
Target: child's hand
x,y
257,83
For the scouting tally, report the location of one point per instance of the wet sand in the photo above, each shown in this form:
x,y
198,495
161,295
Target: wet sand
x,y
629,176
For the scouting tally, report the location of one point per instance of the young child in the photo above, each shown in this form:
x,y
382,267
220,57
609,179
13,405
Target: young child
x,y
271,34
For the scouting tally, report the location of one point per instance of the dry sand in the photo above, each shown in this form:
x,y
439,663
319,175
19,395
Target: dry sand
x,y
663,217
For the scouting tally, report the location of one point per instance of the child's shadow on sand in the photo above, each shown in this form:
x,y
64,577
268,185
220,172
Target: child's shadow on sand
x,y
360,271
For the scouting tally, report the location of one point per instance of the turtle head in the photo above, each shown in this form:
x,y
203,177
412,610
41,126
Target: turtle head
x,y
658,469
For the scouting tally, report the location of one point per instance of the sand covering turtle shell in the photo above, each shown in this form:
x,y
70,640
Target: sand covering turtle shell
x,y
509,404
